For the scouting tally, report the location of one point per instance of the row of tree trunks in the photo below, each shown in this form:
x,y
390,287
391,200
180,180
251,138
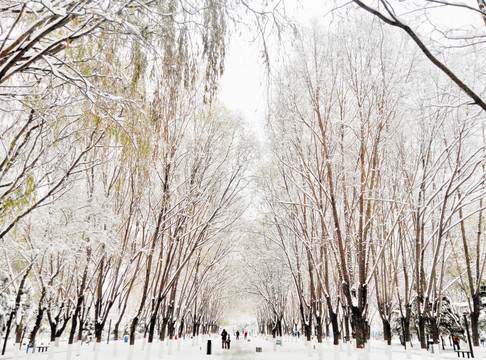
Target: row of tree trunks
x,y
13,313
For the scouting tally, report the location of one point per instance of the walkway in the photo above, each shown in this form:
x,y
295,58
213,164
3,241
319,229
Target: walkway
x,y
240,349
292,349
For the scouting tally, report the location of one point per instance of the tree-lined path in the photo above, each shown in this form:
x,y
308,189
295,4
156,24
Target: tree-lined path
x,y
136,206
291,349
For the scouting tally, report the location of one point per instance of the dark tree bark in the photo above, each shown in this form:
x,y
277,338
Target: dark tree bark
x,y
55,321
386,331
38,319
319,329
347,334
421,331
102,310
133,329
406,322
171,329
360,326
181,328
434,329
19,332
305,323
13,313
335,327
163,328
80,300
475,319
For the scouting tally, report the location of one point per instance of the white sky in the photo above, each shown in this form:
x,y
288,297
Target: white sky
x,y
243,83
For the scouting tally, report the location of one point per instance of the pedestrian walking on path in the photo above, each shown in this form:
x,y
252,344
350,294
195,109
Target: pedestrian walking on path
x,y
224,335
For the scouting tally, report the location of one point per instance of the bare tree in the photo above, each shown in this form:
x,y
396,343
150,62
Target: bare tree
x,y
395,14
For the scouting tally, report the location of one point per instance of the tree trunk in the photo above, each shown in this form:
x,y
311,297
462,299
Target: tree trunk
x,y
319,329
13,313
334,322
194,328
181,328
99,330
475,319
133,328
406,322
360,326
435,330
347,335
63,327
120,318
335,327
80,300
308,332
37,324
151,328
421,332
171,329
116,331
163,329
81,328
53,328
19,332
74,324
386,331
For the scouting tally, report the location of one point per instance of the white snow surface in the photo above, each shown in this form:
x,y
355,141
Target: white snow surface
x,y
291,349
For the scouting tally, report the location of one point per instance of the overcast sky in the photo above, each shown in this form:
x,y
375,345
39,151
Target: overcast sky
x,y
243,85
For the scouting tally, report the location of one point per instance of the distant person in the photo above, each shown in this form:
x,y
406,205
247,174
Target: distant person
x,y
455,342
237,335
246,334
224,335
228,342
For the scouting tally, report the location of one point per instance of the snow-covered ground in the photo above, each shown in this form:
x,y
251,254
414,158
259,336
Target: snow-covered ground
x,y
291,349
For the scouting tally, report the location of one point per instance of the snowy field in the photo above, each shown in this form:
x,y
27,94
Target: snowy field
x,y
291,349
